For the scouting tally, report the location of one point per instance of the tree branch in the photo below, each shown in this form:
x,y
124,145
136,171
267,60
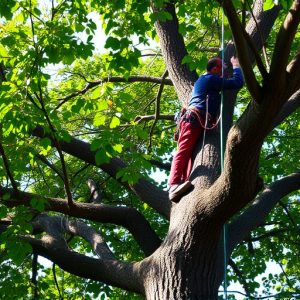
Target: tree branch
x,y
53,226
149,193
256,213
114,79
293,74
239,274
111,272
123,216
97,242
77,228
283,45
161,165
242,49
260,36
7,168
173,51
95,194
58,147
147,118
157,106
288,108
269,234
43,159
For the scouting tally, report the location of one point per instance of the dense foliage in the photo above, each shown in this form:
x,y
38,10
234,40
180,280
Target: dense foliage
x,y
53,76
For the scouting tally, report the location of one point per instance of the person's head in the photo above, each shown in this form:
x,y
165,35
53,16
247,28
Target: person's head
x,y
214,66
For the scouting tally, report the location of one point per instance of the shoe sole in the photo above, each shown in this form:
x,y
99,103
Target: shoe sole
x,y
177,195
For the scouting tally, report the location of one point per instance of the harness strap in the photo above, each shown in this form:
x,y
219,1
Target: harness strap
x,y
208,117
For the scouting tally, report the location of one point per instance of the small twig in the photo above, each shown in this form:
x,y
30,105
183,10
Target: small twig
x,y
7,168
31,23
240,276
34,275
115,79
95,194
51,166
58,147
56,282
139,119
2,73
30,98
157,106
32,14
269,234
284,207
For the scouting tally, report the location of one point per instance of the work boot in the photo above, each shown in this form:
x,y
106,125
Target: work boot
x,y
177,191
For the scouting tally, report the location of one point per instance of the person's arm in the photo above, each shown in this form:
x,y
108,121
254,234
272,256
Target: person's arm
x,y
237,79
234,82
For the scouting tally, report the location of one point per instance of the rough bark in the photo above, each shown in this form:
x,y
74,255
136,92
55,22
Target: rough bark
x,y
123,216
173,51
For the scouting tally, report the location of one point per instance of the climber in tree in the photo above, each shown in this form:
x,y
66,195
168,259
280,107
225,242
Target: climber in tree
x,y
203,109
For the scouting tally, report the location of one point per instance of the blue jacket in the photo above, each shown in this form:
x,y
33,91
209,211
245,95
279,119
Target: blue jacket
x,y
209,86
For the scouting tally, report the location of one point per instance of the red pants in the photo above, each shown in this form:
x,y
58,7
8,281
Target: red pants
x,y
182,165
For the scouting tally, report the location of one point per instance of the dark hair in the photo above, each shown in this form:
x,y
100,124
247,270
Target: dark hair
x,y
213,62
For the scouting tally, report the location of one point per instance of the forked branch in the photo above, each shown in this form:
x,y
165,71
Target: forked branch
x,y
256,213
127,217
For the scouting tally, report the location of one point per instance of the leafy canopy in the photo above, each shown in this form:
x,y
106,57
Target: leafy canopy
x,y
48,59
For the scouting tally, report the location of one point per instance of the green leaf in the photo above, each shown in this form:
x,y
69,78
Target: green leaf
x,y
101,157
38,203
268,4
18,251
99,119
187,59
115,122
3,211
45,143
112,43
118,148
95,144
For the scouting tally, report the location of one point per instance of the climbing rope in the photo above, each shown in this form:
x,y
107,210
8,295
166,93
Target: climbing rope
x,y
222,159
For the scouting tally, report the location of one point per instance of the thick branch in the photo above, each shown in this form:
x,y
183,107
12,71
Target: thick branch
x,y
256,213
173,50
289,107
242,50
127,217
149,193
58,226
283,44
53,226
92,236
293,74
112,272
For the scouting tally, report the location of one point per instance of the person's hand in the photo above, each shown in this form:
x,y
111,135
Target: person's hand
x,y
235,62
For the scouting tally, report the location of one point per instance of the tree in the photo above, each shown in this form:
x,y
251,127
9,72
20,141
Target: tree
x,y
56,136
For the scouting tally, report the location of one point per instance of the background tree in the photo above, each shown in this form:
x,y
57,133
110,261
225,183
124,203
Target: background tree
x,y
81,135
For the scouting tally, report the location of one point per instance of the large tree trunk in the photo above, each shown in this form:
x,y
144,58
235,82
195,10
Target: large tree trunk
x,y
188,264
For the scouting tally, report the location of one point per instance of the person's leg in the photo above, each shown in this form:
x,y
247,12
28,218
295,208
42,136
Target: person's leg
x,y
188,137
